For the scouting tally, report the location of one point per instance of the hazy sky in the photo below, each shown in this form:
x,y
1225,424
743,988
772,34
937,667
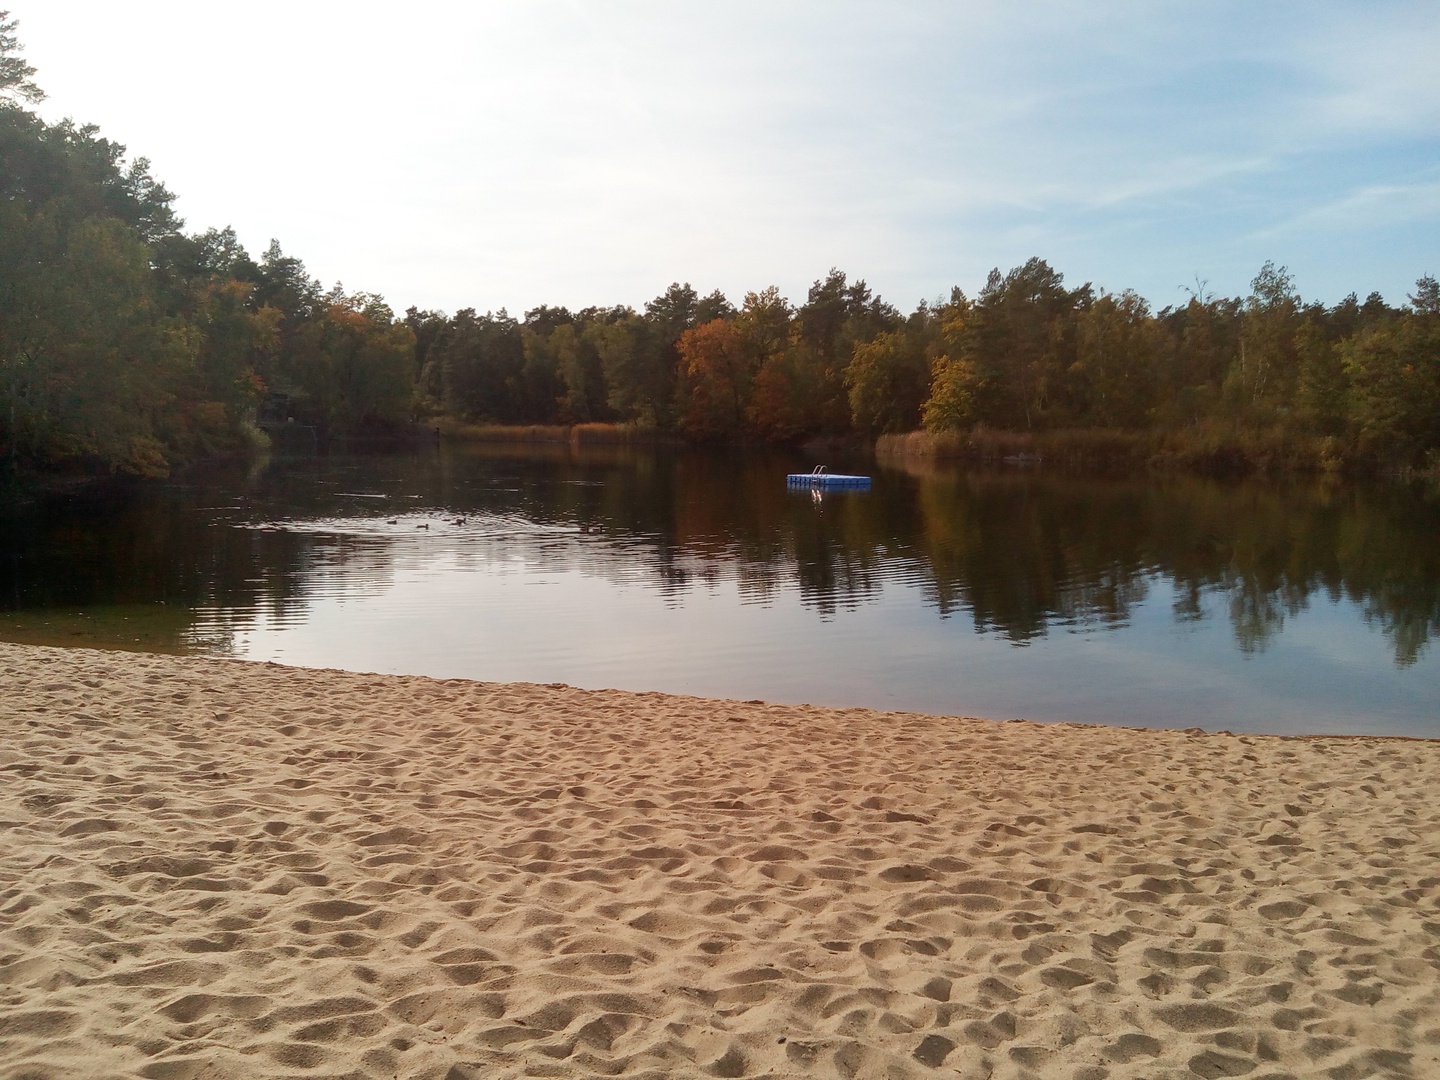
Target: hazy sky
x,y
493,154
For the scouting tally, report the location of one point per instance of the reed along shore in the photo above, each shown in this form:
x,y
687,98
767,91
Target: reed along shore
x,y
224,869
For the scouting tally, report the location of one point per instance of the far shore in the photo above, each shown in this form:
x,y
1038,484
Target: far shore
x,y
1208,451
450,427
214,868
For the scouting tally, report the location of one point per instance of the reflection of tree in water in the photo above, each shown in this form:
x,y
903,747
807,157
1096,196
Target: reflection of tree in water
x,y
1021,552
731,510
1026,551
1271,549
1022,555
1258,614
834,572
169,559
274,575
1391,568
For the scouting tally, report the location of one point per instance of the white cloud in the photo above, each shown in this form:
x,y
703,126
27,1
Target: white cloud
x,y
491,154
1365,208
1379,70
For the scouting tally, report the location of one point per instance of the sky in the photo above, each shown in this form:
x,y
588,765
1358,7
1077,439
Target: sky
x,y
506,155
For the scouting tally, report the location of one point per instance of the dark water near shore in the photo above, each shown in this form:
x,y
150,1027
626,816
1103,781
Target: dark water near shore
x,y
1294,607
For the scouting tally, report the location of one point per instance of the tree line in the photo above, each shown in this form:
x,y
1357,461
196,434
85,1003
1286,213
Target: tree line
x,y
129,344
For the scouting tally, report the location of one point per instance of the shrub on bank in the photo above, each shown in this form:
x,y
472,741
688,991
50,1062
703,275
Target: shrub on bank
x,y
1207,449
592,434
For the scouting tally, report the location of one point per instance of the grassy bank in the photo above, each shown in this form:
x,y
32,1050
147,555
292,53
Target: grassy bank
x,y
450,427
1213,449
1206,449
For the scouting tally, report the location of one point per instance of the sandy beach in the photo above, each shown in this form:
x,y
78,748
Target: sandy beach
x,y
217,869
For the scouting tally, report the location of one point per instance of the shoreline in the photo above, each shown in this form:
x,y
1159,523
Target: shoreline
x,y
55,631
233,868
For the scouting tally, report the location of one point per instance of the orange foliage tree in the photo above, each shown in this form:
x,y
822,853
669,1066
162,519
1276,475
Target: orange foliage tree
x,y
717,372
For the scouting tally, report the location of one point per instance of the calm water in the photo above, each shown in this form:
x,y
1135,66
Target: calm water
x,y
1177,602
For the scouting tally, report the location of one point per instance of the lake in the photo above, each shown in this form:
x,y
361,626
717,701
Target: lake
x,y
1287,607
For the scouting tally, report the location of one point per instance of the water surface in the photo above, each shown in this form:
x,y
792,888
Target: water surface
x,y
1296,607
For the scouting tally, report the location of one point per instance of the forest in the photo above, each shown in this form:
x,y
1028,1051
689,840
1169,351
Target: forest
x,y
128,345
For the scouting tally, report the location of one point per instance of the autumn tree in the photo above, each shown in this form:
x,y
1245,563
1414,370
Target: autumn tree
x,y
1322,387
718,369
1198,344
475,367
1394,372
86,363
1021,344
581,369
1263,376
640,354
1117,349
351,365
956,385
16,85
793,392
89,360
711,306
130,345
888,380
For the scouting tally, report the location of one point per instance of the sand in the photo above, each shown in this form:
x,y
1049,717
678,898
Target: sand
x,y
221,869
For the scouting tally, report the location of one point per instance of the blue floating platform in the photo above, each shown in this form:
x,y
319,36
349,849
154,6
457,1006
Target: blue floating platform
x,y
825,480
